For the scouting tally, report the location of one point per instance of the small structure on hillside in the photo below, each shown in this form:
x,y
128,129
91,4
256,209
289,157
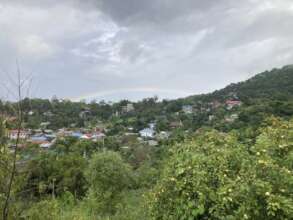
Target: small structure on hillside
x,y
98,136
233,103
84,114
187,109
176,124
147,133
211,117
163,135
44,125
23,134
152,143
76,134
231,118
48,114
128,108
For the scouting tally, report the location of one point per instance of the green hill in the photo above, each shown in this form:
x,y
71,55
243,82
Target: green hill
x,y
274,84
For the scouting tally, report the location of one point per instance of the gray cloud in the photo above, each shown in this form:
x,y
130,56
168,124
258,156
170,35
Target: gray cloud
x,y
119,49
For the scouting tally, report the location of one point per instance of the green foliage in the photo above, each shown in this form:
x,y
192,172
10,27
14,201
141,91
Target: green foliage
x,y
108,176
51,174
45,210
146,175
216,177
131,207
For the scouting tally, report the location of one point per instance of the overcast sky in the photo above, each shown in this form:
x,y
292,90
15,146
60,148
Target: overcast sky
x,y
114,49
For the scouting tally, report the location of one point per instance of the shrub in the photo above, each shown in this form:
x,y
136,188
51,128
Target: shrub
x,y
108,176
216,177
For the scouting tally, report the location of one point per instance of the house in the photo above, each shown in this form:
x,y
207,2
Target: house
x,y
176,124
98,135
152,125
128,108
187,109
76,134
37,131
233,103
48,131
84,114
47,144
153,143
163,135
38,139
86,136
50,136
45,124
211,117
99,128
63,133
147,133
48,114
231,118
23,134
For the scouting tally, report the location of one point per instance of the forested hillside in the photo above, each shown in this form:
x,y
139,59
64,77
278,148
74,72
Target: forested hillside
x,y
274,84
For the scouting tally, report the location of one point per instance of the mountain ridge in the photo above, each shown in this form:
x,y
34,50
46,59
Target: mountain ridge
x,y
268,84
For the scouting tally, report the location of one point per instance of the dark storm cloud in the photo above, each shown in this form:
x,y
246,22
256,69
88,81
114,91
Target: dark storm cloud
x,y
151,11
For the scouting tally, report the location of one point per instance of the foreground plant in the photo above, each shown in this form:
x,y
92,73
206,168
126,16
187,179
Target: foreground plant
x,y
216,177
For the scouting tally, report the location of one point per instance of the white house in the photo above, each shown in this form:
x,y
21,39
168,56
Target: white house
x,y
153,143
152,125
147,133
46,145
187,109
23,134
128,108
45,124
86,137
48,114
98,136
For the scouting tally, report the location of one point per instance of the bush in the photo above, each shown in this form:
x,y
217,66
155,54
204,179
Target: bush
x,y
108,176
216,177
45,210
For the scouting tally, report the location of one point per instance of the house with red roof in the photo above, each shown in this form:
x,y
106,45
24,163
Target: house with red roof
x,y
233,103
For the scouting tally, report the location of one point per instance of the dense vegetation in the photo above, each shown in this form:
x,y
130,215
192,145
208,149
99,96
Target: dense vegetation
x,y
209,168
214,176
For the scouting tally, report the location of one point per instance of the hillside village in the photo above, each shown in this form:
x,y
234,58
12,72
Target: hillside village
x,y
132,160
45,137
